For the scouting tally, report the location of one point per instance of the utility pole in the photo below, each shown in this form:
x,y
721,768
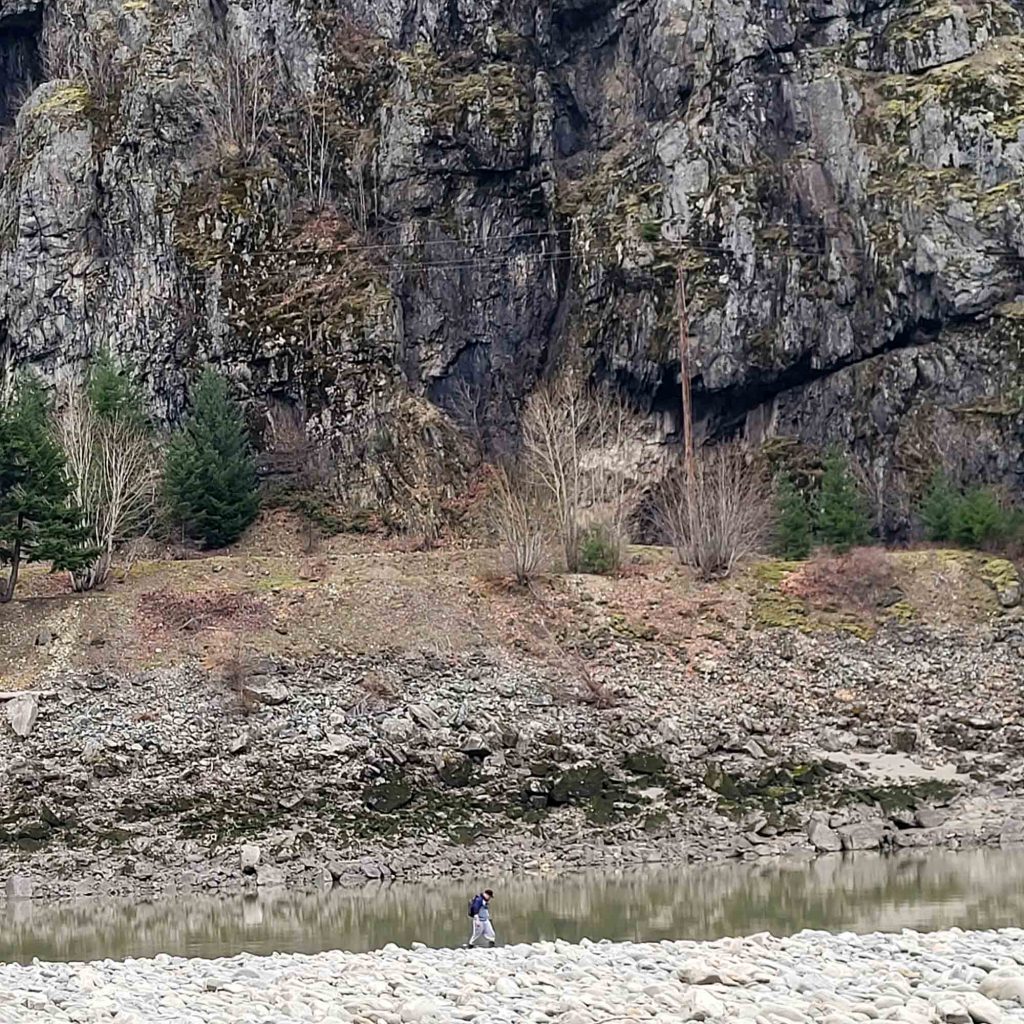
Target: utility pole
x,y
684,379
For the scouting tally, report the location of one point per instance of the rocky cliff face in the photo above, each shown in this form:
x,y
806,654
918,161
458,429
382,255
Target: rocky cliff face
x,y
368,212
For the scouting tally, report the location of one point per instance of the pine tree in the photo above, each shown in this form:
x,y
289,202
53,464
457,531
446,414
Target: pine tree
x,y
841,521
978,518
112,394
939,507
39,521
792,520
210,477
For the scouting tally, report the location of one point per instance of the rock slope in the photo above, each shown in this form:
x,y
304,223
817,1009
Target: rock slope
x,y
339,769
359,210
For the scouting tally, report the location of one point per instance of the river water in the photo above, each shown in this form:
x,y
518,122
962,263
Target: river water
x,y
925,890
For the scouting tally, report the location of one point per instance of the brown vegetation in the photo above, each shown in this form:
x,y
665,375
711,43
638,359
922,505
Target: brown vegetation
x,y
719,514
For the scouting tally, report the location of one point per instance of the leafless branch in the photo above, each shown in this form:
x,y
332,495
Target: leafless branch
x,y
722,516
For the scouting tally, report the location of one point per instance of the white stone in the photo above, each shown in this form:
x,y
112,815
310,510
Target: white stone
x,y
21,714
1007,987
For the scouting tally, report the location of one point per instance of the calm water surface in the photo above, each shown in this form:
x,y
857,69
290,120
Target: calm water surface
x,y
973,889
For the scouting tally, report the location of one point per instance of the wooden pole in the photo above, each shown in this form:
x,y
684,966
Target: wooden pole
x,y
684,380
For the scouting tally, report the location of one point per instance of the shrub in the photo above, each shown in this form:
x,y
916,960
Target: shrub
x,y
840,520
517,520
211,477
792,520
722,515
862,579
600,550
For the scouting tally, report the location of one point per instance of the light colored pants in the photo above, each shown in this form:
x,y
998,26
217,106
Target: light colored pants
x,y
481,930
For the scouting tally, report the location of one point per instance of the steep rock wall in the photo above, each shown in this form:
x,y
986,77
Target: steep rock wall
x,y
368,211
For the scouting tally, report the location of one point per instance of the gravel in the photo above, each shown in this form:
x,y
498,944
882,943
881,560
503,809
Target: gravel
x,y
950,977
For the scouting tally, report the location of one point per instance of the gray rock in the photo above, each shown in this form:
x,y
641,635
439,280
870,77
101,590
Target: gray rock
x,y
905,738
19,887
43,638
268,876
865,836
425,716
930,817
21,714
265,690
1009,597
823,838
475,745
238,744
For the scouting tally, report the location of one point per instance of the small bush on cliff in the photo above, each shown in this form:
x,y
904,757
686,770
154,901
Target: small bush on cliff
x,y
39,519
841,521
211,476
792,520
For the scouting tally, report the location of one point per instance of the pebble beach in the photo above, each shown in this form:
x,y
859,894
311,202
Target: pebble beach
x,y
951,977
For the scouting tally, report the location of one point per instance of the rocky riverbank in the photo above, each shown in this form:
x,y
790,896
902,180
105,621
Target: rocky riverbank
x,y
949,977
337,769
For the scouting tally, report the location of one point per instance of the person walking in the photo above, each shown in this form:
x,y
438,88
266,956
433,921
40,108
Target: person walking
x,y
479,910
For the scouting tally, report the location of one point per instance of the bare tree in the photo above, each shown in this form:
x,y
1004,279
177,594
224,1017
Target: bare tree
x,y
245,90
318,158
114,470
576,443
717,513
518,521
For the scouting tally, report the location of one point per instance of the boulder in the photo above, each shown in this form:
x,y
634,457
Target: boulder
x,y
904,739
982,1009
265,690
18,887
823,838
22,712
1005,984
249,858
397,730
475,745
929,817
419,1009
865,836
702,1005
424,716
268,876
43,638
644,762
238,744
1009,596
387,796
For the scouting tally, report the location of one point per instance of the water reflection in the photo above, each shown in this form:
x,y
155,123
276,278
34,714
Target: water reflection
x,y
979,888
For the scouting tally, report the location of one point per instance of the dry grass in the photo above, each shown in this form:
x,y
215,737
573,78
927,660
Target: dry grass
x,y
194,612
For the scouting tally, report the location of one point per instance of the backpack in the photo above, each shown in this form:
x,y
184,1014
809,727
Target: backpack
x,y
475,904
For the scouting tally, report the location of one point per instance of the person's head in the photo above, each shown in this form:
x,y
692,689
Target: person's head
x,y
487,895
